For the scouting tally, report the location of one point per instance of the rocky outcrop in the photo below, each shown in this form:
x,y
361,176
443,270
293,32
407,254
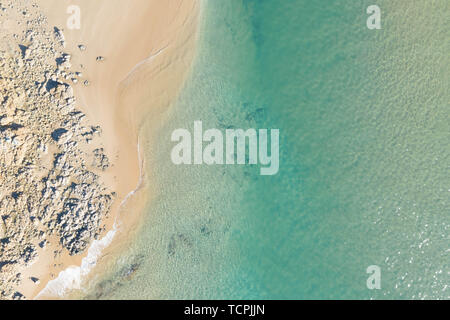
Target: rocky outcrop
x,y
49,177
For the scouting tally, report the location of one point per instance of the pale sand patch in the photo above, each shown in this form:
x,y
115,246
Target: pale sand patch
x,y
148,46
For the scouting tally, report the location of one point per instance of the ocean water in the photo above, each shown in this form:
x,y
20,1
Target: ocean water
x,y
364,159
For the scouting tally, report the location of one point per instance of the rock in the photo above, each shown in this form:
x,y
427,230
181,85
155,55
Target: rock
x,y
35,280
59,37
2,230
58,133
49,188
18,296
100,160
42,244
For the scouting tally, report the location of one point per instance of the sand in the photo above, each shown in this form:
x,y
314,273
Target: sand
x,y
147,48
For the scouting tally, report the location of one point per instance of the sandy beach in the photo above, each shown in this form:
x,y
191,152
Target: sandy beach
x,y
133,58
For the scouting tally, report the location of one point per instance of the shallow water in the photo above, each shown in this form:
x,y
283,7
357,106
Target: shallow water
x,y
364,159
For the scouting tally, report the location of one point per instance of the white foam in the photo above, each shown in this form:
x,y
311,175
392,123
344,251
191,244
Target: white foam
x,y
72,277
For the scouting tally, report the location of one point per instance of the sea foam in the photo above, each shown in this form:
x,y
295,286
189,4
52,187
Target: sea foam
x,y
72,277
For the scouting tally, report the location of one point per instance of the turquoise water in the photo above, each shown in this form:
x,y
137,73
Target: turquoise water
x,y
364,159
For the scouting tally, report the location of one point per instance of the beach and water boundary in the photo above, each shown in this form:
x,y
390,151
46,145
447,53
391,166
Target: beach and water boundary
x,y
362,171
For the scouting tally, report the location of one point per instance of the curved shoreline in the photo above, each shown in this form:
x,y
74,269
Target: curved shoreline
x,y
154,71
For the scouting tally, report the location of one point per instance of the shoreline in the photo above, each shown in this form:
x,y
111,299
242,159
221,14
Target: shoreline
x,y
156,60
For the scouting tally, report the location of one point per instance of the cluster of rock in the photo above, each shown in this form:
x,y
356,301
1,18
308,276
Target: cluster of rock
x,y
49,173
